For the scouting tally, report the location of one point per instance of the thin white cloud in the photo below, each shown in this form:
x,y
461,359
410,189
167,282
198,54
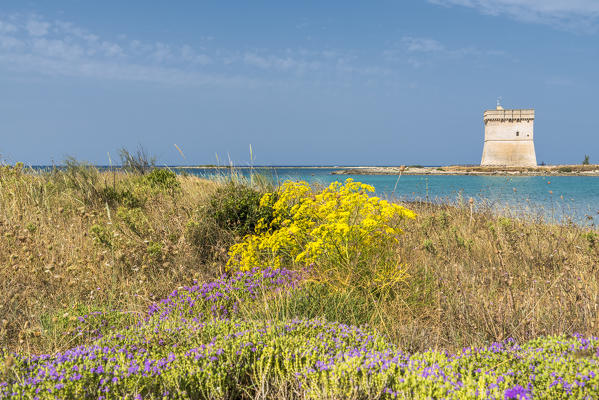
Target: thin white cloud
x,y
298,62
256,61
6,27
35,44
70,29
111,49
418,51
119,71
190,55
37,28
10,43
424,45
569,14
162,52
56,49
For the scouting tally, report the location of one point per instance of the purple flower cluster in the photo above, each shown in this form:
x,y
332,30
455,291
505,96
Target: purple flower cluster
x,y
221,298
499,371
194,345
517,392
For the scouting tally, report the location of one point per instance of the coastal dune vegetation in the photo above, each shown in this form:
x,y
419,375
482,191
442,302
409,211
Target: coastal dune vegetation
x,y
140,283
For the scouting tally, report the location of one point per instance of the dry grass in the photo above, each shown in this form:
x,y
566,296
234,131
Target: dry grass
x,y
473,279
65,253
69,247
486,277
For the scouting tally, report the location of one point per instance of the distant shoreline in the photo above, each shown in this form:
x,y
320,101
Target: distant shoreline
x,y
546,170
262,167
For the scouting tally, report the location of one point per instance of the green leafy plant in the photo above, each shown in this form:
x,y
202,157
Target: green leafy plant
x,y
31,227
121,196
101,235
592,238
236,207
154,250
429,246
134,219
162,179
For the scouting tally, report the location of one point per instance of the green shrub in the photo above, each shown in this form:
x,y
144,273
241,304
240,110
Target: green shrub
x,y
429,246
231,212
115,197
504,222
565,169
134,219
592,238
160,178
236,207
154,250
586,160
459,239
101,235
443,220
31,227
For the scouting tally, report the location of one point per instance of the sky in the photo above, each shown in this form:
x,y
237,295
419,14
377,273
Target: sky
x,y
379,82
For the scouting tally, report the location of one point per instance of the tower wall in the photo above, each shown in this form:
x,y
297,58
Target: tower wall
x,y
509,138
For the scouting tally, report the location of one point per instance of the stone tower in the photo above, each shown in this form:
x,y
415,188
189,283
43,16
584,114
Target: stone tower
x,y
509,138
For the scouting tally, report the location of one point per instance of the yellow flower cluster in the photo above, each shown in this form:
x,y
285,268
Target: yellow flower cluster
x,y
340,231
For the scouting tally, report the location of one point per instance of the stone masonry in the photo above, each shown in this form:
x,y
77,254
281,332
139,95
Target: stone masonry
x,y
509,138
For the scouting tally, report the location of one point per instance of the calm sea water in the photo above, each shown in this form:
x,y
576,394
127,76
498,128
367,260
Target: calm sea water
x,y
555,198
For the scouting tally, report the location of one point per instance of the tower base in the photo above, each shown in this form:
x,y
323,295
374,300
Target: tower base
x,y
509,153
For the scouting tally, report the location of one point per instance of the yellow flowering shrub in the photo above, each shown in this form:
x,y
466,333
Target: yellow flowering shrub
x,y
347,236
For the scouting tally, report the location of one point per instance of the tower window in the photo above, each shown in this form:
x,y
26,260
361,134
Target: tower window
x,y
517,133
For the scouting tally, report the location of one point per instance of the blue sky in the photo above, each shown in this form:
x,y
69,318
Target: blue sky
x,y
305,83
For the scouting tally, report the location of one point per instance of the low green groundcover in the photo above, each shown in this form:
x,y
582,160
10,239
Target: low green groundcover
x,y
193,345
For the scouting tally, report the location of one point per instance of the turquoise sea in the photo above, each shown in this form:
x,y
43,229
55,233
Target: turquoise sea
x,y
555,198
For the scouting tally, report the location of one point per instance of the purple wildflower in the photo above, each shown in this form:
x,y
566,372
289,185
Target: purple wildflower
x,y
517,392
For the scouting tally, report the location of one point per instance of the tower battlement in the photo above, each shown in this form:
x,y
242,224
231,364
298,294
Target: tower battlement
x,y
509,115
509,139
